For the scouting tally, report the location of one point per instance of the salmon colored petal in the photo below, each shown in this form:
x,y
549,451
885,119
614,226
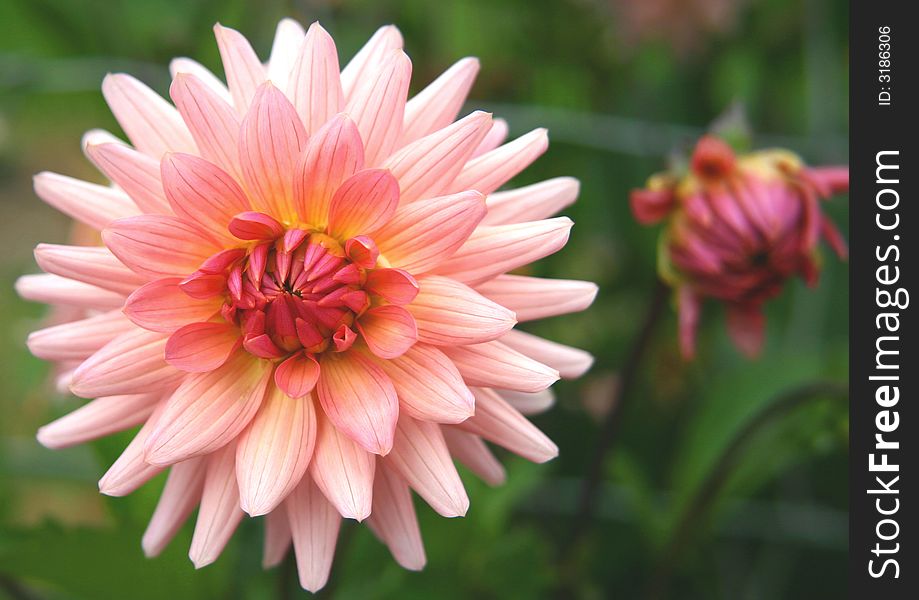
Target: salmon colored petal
x,y
270,141
388,330
158,245
202,347
314,525
535,298
378,105
91,265
343,471
429,386
369,59
421,457
180,496
277,537
499,423
532,202
570,362
422,235
202,193
287,39
91,204
650,206
80,339
393,285
61,291
493,250
161,305
212,121
130,471
274,452
364,203
449,313
132,363
494,138
471,451
332,155
359,400
437,105
187,66
426,167
315,86
152,124
137,174
494,364
255,226
394,520
98,418
219,514
209,410
243,69
529,404
297,375
493,169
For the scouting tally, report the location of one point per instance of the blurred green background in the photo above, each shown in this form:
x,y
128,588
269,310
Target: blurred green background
x,y
707,493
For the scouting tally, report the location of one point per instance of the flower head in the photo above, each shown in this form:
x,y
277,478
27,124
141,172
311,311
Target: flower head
x,y
738,227
303,297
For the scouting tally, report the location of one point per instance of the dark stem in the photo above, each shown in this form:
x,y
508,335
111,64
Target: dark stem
x,y
287,576
720,473
14,589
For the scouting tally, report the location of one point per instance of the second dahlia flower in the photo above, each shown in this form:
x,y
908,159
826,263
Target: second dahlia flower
x,y
303,298
737,228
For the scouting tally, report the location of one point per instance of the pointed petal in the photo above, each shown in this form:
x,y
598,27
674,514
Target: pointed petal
x,y
135,173
394,520
287,39
158,245
689,306
277,537
494,364
92,204
209,410
297,375
315,85
80,339
499,423
219,514
393,285
493,169
570,362
421,457
89,265
98,418
275,450
471,451
314,525
437,105
449,313
187,66
202,347
529,404
747,327
343,471
243,69
130,471
388,330
180,496
61,291
494,138
359,399
212,121
531,202
369,59
364,203
534,298
161,305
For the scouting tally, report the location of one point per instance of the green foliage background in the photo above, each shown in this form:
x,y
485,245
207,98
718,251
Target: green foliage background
x,y
616,103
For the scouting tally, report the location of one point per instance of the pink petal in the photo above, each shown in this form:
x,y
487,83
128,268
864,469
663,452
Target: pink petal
x,y
493,250
219,514
275,450
493,169
78,340
369,59
393,285
531,202
494,364
180,496
426,167
535,298
332,155
98,418
255,226
437,105
137,174
186,66
429,386
689,306
94,205
422,235
494,138
202,193
132,363
570,362
152,124
378,105
209,410
421,457
270,141
130,471
161,305
158,245
343,471
297,375
364,203
450,313
394,520
651,206
314,525
212,121
471,451
359,400
747,328
243,69
529,404
498,422
315,85
91,265
52,289
277,537
388,330
287,39
202,347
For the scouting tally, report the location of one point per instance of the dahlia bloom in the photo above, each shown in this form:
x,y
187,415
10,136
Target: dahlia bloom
x,y
303,296
737,228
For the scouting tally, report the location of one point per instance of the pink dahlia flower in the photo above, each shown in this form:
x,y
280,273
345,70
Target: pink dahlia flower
x,y
737,228
303,298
